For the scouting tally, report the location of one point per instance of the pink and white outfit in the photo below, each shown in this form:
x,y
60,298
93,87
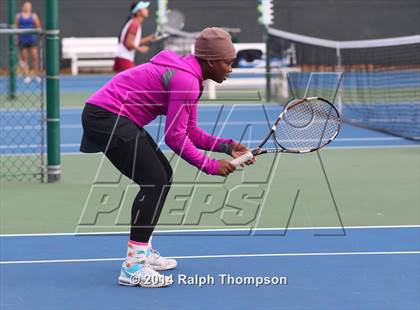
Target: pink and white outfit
x,y
125,57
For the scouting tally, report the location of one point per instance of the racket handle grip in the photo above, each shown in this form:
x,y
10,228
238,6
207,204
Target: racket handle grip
x,y
242,159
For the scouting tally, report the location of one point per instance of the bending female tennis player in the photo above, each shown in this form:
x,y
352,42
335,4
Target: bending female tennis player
x,y
113,121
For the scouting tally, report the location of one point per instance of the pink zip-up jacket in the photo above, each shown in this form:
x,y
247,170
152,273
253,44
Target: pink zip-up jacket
x,y
170,85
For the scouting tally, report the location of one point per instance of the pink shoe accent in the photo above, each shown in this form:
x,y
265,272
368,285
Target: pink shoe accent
x,y
137,243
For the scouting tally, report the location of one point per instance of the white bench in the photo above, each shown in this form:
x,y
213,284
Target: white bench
x,y
89,52
249,46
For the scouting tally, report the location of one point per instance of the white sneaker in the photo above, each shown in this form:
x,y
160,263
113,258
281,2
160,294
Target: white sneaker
x,y
38,79
157,262
133,274
27,80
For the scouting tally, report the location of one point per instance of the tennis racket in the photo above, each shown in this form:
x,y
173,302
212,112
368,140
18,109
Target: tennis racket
x,y
174,21
304,125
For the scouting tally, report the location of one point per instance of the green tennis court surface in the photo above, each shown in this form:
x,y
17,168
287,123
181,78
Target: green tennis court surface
x,y
370,186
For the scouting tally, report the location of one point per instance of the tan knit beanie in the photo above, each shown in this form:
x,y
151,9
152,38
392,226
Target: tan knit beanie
x,y
214,44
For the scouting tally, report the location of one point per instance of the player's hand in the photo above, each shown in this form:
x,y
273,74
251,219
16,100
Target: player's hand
x,y
153,37
143,49
239,149
224,167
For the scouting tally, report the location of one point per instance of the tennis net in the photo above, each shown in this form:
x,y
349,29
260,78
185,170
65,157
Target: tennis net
x,y
380,86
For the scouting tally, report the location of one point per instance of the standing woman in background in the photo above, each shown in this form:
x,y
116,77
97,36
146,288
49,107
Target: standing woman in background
x,y
27,43
130,39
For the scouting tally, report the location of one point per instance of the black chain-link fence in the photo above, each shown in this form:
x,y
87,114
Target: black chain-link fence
x,y
22,117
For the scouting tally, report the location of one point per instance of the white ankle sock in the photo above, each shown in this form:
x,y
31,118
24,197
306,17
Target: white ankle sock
x,y
136,251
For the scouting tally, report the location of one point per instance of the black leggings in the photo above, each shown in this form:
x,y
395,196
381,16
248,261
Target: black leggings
x,y
136,155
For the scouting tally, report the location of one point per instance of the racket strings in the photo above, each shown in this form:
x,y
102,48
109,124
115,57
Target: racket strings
x,y
175,20
309,124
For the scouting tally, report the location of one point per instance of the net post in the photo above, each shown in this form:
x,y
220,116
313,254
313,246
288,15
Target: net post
x,y
267,65
11,12
161,18
52,85
339,68
161,14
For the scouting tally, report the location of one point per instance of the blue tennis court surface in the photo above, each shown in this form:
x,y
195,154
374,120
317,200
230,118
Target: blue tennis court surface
x,y
356,268
246,122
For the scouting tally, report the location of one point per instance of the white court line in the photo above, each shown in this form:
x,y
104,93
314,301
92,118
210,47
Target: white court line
x,y
79,126
18,146
211,230
361,147
84,260
207,105
331,148
216,105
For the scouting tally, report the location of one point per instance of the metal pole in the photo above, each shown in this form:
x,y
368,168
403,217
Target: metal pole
x,y
42,118
161,19
12,49
53,94
339,69
267,65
